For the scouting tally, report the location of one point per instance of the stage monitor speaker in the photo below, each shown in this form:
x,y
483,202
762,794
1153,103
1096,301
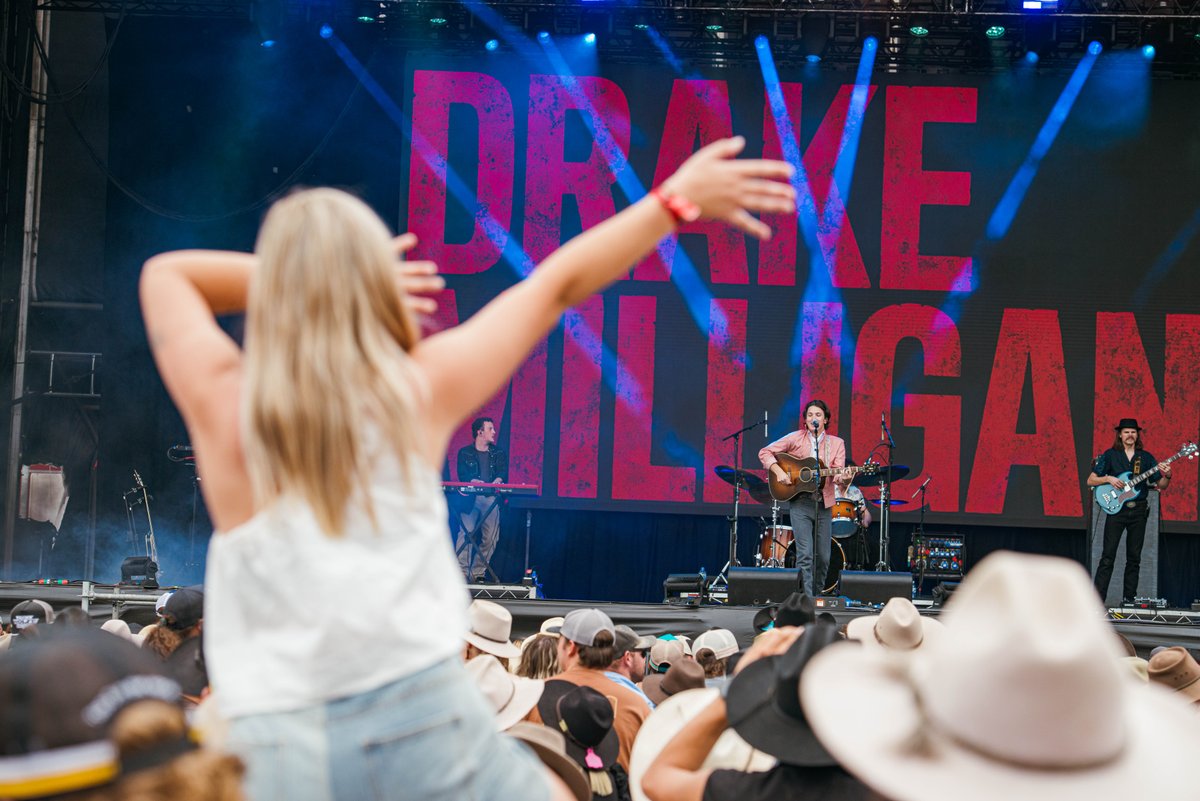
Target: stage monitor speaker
x,y
759,586
875,588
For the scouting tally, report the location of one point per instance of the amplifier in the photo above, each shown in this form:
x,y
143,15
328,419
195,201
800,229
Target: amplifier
x,y
936,555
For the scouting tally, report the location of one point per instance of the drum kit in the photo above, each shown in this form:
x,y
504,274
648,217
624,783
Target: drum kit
x,y
776,543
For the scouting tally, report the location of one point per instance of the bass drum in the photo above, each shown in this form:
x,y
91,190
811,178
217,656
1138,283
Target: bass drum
x,y
837,561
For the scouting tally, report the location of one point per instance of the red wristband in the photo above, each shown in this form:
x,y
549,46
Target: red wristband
x,y
682,209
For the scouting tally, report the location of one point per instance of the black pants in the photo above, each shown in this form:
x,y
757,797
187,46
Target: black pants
x,y
1133,522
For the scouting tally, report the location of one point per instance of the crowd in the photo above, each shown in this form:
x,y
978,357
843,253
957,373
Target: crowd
x,y
320,438
1003,695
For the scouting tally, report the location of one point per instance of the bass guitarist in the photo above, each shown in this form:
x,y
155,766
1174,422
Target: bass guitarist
x,y
810,510
1125,456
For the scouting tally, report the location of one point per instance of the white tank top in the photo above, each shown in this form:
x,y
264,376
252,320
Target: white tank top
x,y
294,617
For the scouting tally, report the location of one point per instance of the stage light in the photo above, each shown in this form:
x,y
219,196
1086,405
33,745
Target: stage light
x,y
589,38
815,30
1031,57
544,37
813,59
326,31
492,45
712,23
994,32
1148,51
919,30
267,43
438,22
1040,5
1094,48
641,26
365,18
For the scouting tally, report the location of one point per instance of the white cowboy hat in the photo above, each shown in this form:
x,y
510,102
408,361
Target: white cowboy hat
x,y
899,627
668,718
491,629
1022,697
511,697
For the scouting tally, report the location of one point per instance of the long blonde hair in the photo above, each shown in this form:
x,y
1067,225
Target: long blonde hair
x,y
326,361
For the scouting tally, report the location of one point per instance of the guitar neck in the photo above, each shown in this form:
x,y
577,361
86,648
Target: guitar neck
x,y
1143,476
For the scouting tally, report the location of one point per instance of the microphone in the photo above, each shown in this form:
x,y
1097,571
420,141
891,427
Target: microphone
x,y
885,435
918,492
765,434
816,425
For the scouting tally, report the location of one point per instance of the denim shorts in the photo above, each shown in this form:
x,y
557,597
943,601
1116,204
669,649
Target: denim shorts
x,y
428,736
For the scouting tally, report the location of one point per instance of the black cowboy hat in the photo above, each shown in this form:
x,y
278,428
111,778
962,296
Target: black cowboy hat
x,y
798,609
585,718
763,705
1127,422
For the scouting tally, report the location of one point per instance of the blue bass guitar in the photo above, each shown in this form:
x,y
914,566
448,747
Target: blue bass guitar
x,y
1111,498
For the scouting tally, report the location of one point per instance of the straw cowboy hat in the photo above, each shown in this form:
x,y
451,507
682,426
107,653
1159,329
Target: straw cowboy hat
x,y
899,627
668,718
1023,697
491,629
511,697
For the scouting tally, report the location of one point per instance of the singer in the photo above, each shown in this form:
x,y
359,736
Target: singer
x,y
481,462
811,512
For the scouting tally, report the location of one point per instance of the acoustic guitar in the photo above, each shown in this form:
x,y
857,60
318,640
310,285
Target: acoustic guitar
x,y
807,475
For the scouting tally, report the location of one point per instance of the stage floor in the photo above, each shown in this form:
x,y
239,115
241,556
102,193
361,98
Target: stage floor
x,y
1146,629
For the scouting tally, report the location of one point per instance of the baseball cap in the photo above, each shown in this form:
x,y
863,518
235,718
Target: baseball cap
x,y
665,652
33,612
581,626
59,694
720,641
629,640
184,609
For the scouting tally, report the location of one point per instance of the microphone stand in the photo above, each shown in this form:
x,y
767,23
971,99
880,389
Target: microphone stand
x,y
885,499
722,578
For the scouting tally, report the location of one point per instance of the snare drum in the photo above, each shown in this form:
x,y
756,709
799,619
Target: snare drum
x,y
773,545
846,515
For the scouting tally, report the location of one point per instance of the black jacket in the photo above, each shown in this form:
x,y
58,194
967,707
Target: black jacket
x,y
468,463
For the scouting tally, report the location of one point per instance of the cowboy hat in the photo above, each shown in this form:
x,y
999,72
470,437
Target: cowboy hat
x,y
1127,422
1177,670
550,746
511,696
683,675
731,752
898,627
763,704
798,609
491,628
585,717
1022,697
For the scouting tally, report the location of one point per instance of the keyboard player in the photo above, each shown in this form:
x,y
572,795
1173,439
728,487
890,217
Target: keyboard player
x,y
480,462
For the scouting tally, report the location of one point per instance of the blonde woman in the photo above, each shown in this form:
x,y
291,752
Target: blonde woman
x,y
320,446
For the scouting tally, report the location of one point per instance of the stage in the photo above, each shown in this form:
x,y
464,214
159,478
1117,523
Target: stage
x,y
1146,629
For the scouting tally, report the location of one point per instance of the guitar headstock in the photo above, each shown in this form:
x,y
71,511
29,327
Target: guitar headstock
x,y
1189,450
869,467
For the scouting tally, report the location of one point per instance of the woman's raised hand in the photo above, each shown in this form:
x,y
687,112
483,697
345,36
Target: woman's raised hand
x,y
416,279
727,188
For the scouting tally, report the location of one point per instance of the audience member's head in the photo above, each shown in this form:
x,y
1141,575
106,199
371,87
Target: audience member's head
x,y
585,717
586,639
511,697
1176,669
551,625
629,653
899,627
117,627
764,619
1021,697
665,652
683,675
187,666
34,612
763,702
182,618
713,649
89,716
798,609
551,748
73,616
539,657
490,631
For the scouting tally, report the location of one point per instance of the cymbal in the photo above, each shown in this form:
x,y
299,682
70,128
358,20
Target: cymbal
x,y
755,486
899,471
892,502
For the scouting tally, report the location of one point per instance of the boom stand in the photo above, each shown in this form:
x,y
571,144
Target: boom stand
x,y
885,507
722,578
